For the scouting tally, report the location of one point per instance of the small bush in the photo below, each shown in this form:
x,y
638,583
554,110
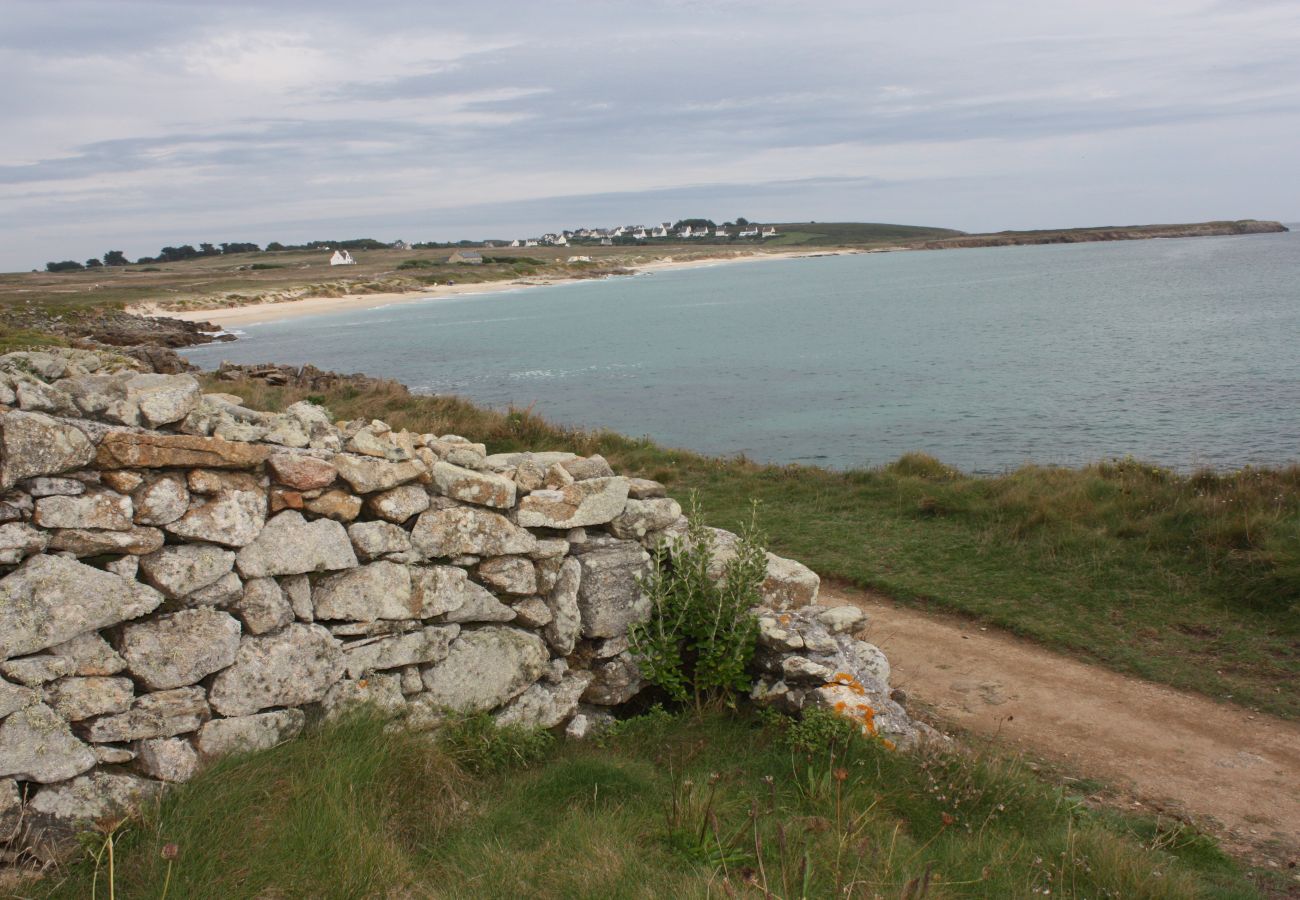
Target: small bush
x,y
701,634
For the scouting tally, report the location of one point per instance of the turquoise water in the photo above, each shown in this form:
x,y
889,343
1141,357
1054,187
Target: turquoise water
x,y
1183,352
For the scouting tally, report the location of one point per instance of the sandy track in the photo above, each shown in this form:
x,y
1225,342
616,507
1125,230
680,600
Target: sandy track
x,y
1236,770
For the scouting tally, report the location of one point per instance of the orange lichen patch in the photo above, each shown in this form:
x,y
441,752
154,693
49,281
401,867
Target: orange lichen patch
x,y
841,694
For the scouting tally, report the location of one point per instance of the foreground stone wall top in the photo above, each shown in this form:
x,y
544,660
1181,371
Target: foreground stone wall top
x,y
184,577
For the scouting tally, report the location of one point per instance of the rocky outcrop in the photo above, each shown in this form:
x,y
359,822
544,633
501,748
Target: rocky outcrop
x,y
182,577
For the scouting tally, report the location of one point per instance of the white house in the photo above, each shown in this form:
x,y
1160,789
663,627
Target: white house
x,y
530,243
639,234
685,232
606,242
749,232
660,232
721,232
768,232
515,242
342,258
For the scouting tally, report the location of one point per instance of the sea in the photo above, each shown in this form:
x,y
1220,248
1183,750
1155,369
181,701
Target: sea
x,y
1181,352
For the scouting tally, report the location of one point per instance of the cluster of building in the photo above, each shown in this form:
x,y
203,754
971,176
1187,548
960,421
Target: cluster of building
x,y
663,231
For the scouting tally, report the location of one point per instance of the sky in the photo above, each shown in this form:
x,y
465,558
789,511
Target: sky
x,y
131,124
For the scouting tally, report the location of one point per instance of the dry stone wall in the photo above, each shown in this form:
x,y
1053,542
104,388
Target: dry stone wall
x,y
184,577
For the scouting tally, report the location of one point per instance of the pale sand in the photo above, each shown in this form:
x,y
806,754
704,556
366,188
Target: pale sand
x,y
230,317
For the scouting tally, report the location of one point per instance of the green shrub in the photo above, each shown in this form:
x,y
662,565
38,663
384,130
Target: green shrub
x,y
701,634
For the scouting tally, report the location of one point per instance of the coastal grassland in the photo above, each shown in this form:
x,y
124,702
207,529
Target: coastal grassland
x,y
665,806
1189,580
840,234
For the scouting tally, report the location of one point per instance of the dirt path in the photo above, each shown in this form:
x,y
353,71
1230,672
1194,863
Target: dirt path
x,y
1175,751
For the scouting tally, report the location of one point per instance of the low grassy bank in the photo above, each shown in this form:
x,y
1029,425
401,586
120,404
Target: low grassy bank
x,y
1193,581
667,807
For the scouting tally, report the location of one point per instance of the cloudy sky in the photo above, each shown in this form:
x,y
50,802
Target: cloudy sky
x,y
128,125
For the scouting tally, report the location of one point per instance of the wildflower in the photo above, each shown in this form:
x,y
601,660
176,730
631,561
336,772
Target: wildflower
x,y
947,820
841,774
170,851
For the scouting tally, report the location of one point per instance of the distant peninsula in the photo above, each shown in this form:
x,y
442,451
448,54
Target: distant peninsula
x,y
1102,233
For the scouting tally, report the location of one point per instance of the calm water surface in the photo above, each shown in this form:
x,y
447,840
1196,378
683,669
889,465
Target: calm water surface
x,y
1184,352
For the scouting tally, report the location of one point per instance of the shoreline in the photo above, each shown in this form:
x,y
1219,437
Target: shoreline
x,y
228,317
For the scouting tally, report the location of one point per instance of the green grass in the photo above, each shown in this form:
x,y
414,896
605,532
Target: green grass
x,y
827,234
1193,581
667,807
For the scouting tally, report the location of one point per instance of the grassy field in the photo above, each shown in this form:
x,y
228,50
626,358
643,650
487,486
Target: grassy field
x,y
840,234
1193,581
718,806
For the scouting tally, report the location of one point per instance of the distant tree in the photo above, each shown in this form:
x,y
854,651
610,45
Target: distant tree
x,y
68,265
93,263
208,250
175,254
116,258
239,248
274,245
145,260
742,221
694,223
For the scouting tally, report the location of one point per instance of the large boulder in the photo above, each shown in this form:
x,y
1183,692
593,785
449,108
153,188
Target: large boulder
x,y
486,667
179,649
291,668
52,599
641,517
591,502
37,745
35,444
609,596
464,530
290,545
301,472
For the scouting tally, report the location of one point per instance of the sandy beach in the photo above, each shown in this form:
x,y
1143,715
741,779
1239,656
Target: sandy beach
x,y
231,317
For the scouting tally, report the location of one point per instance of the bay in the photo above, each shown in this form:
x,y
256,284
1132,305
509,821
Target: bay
x,y
1182,352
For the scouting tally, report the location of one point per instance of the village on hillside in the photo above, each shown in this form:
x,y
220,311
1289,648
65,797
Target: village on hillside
x,y
694,229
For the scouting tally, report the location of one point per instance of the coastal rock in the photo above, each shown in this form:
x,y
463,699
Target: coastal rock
x,y
400,503
37,745
642,516
93,542
290,545
644,489
301,472
788,585
378,693
161,714
337,505
587,468
375,539
133,399
531,612
466,530
292,668
583,503
262,606
378,590
481,606
179,649
13,697
609,596
566,616
182,569
51,600
484,668
89,654
469,486
19,541
367,474
428,645
167,759
248,734
136,450
79,698
509,574
233,518
437,590
45,486
220,593
614,681
96,797
161,500
546,705
35,444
